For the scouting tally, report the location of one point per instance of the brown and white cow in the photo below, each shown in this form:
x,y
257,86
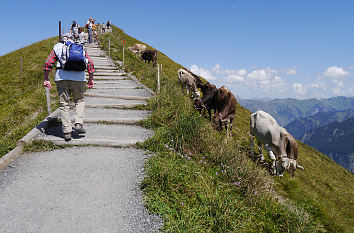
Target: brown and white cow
x,y
149,55
138,49
224,103
206,102
189,81
221,100
281,146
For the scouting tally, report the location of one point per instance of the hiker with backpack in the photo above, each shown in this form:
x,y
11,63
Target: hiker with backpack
x,y
74,28
72,60
89,30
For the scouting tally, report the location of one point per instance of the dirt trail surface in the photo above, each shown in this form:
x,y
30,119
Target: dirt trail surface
x,y
91,188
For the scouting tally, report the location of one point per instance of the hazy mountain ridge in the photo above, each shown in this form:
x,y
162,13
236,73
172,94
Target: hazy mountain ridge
x,y
287,110
300,126
334,140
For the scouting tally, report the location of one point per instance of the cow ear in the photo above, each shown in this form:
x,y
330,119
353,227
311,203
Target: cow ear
x,y
299,166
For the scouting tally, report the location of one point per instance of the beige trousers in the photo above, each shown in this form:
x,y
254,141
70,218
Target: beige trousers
x,y
65,88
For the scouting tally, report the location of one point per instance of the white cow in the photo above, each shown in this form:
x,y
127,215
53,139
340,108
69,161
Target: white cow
x,y
189,81
281,146
138,49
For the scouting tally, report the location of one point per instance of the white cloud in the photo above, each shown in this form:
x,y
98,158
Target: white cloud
x,y
335,72
338,91
318,85
292,71
299,89
216,68
203,72
234,78
340,84
268,82
351,91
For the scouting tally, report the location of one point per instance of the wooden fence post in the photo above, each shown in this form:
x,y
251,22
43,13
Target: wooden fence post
x,y
109,47
59,31
21,67
158,78
123,54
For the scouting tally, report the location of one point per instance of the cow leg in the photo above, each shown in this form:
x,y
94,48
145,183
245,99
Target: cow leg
x,y
231,120
220,124
259,145
227,128
273,158
251,142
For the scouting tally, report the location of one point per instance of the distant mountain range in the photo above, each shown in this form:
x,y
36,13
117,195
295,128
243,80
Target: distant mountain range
x,y
325,124
336,140
300,126
287,110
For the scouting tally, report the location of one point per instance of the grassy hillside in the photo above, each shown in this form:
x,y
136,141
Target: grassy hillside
x,y
23,101
199,181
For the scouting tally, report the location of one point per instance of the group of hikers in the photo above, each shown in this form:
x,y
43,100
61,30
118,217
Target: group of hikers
x,y
79,35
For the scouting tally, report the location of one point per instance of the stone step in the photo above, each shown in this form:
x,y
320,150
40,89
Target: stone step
x,y
114,113
109,72
115,83
105,67
124,121
120,92
116,106
104,77
101,101
100,135
123,97
102,63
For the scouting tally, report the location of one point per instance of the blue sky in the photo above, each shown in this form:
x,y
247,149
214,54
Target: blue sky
x,y
257,48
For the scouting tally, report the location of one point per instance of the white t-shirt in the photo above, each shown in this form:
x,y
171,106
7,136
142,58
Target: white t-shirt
x,y
89,23
66,74
82,37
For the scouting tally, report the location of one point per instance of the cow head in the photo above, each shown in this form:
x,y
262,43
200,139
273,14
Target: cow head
x,y
285,163
198,104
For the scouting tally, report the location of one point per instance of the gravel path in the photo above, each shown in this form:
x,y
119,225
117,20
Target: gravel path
x,y
86,188
82,189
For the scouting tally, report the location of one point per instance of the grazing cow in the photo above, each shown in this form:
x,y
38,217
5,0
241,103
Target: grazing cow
x,y
209,90
138,49
189,81
221,100
225,105
281,146
150,55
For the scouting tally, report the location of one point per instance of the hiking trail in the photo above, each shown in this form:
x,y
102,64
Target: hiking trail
x,y
94,187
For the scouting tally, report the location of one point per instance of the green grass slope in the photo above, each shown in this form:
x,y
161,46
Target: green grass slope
x,y
199,181
23,101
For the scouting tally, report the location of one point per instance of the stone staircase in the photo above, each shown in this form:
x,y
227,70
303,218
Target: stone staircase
x,y
110,115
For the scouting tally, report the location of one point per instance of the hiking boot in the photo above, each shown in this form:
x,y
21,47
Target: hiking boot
x,y
79,128
67,136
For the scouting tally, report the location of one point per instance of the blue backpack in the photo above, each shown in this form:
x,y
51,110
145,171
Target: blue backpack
x,y
73,57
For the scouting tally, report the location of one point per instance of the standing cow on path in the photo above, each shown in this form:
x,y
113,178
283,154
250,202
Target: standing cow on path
x,y
281,146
